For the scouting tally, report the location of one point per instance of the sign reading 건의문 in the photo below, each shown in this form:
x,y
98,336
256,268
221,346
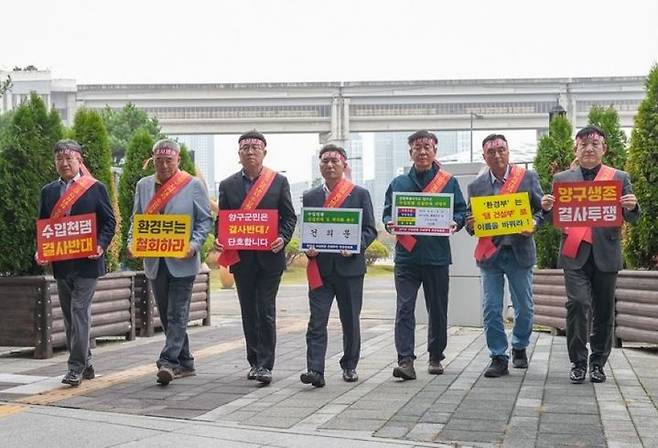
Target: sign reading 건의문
x,y
331,229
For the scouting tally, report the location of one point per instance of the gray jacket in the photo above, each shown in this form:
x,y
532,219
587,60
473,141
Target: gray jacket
x,y
606,241
523,246
191,200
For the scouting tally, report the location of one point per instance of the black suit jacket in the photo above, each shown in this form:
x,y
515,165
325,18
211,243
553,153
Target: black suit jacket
x,y
232,193
95,200
335,263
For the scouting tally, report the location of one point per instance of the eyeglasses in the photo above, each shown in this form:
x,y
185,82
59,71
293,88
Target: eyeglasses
x,y
423,148
250,148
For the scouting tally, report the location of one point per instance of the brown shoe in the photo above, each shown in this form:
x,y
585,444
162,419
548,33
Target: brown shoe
x,y
165,375
405,370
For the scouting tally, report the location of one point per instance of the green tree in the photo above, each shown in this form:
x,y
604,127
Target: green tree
x,y
5,85
186,162
641,243
26,165
607,119
554,154
122,125
139,150
89,131
292,250
375,251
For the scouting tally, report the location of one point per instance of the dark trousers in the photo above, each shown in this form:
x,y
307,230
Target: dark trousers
x,y
349,296
257,294
75,294
173,296
589,289
434,279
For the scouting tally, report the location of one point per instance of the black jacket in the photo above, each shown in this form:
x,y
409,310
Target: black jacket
x,y
95,200
353,265
232,193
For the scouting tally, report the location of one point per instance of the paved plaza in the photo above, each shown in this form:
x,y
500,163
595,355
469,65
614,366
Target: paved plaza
x,y
219,407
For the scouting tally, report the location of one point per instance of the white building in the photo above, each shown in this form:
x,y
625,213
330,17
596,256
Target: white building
x,y
202,147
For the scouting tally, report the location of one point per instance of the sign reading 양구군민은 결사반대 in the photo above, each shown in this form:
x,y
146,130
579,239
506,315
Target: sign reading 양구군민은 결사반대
x,y
331,229
161,235
502,214
422,213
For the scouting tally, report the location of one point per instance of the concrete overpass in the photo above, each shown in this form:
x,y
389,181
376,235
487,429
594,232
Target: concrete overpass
x,y
334,109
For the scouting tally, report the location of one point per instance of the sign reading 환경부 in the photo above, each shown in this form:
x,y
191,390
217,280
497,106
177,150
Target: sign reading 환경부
x,y
503,214
331,229
587,204
248,230
66,238
422,213
161,235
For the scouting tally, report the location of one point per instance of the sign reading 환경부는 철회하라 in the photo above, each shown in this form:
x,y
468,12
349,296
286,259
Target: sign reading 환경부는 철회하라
x,y
587,204
161,235
331,230
422,213
503,214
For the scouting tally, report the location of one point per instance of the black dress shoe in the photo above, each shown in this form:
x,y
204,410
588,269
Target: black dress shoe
x,y
577,373
519,359
497,368
596,374
405,370
264,376
350,375
72,378
88,373
312,377
252,373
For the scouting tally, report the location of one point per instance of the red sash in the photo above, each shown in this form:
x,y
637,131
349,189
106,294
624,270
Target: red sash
x,y
167,191
485,247
576,235
335,200
250,202
71,196
436,185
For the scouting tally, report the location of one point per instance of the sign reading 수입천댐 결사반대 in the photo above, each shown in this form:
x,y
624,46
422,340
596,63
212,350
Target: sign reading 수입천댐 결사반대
x,y
66,237
422,213
331,229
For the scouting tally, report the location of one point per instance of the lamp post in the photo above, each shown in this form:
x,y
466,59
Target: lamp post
x,y
478,116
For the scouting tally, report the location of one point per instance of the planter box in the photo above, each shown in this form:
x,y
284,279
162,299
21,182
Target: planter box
x,y
147,317
636,304
30,315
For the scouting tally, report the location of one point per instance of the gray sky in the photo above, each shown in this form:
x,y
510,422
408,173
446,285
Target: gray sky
x,y
339,40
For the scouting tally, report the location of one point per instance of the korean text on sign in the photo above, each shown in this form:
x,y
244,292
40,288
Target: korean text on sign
x,y
161,235
331,229
504,214
66,238
422,213
587,204
248,230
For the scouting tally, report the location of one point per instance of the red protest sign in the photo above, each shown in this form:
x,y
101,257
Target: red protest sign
x,y
248,230
587,204
66,238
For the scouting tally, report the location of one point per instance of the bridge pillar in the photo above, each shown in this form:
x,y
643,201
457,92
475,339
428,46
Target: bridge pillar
x,y
340,123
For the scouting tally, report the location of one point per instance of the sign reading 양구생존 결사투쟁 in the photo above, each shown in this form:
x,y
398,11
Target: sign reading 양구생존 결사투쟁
x,y
587,204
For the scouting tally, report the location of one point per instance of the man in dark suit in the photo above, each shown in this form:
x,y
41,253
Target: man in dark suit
x,y
341,273
258,273
76,279
591,264
511,256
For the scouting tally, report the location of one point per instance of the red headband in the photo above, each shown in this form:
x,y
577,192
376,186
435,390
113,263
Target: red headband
x,y
165,151
252,141
69,151
591,136
424,141
336,154
495,143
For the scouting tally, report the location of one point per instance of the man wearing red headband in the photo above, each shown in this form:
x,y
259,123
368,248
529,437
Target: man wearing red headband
x,y
591,259
511,256
336,275
258,273
173,192
423,259
77,279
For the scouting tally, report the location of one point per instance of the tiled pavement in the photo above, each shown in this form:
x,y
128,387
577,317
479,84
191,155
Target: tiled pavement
x,y
533,408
